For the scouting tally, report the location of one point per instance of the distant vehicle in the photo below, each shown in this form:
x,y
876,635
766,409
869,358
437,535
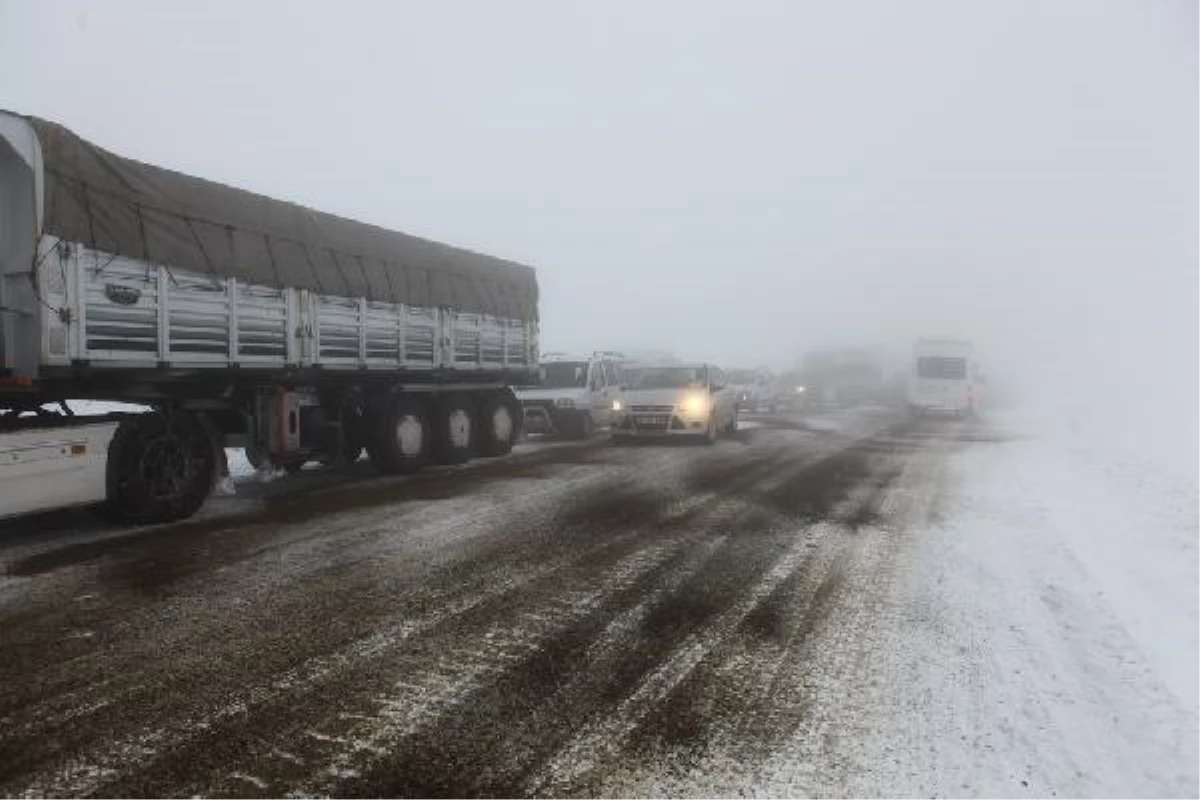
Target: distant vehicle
x,y
576,395
239,320
945,378
677,400
789,392
842,377
750,387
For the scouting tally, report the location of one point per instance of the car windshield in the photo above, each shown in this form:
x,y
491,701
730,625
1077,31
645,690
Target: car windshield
x,y
668,378
564,375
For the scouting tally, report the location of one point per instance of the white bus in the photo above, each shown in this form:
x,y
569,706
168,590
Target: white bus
x,y
945,378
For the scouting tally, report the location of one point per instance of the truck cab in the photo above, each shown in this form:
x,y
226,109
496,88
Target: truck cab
x,y
576,396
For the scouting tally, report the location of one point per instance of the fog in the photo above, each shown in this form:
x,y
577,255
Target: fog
x,y
736,182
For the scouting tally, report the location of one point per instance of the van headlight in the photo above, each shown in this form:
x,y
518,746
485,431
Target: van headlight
x,y
695,404
616,406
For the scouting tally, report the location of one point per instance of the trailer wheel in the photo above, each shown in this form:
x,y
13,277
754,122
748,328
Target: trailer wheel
x,y
160,469
453,429
401,440
497,425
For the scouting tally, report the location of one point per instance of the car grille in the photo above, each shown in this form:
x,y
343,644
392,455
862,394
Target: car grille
x,y
653,409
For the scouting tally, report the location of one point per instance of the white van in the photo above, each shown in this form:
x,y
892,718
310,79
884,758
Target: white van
x,y
945,378
576,395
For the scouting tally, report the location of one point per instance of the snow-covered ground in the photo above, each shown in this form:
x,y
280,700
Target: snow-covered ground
x,y
1044,636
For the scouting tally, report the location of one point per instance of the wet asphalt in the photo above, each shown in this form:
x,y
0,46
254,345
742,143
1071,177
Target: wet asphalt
x,y
564,621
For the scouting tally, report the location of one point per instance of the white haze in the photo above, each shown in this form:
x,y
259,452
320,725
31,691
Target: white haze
x,y
736,181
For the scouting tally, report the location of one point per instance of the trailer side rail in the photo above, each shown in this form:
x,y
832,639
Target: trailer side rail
x,y
115,311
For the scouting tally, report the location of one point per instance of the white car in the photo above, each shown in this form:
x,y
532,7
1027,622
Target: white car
x,y
675,400
576,396
750,387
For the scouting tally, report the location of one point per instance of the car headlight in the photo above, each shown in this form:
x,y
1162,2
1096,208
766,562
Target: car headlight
x,y
564,402
616,406
799,390
695,404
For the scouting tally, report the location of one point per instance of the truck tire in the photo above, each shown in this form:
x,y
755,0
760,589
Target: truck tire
x,y
454,429
160,469
711,431
401,440
498,425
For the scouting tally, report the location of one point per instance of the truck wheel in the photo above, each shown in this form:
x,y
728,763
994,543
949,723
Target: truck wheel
x,y
401,440
453,429
160,469
583,427
497,426
711,432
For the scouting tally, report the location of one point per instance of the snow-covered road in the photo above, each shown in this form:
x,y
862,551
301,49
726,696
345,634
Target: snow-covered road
x,y
1039,639
849,605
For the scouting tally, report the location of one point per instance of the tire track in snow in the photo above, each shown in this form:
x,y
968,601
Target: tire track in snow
x,y
603,739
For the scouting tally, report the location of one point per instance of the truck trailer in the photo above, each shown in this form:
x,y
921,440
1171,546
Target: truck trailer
x,y
237,320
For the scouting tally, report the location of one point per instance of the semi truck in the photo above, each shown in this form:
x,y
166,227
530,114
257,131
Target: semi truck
x,y
237,320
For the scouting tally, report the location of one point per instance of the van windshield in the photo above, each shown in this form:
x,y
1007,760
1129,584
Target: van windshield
x,y
565,375
943,367
669,378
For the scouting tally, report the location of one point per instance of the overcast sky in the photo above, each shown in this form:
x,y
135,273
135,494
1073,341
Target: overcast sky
x,y
734,181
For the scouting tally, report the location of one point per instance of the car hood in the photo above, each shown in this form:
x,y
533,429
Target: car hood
x,y
578,395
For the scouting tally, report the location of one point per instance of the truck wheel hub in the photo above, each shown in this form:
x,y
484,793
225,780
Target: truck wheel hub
x,y
166,467
459,422
410,436
502,424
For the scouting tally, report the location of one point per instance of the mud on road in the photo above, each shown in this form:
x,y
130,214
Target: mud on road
x,y
576,619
